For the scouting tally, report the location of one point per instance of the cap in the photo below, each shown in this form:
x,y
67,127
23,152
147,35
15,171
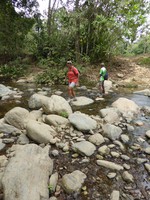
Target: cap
x,y
69,62
102,64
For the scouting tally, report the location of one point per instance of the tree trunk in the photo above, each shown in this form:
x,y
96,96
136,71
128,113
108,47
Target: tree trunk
x,y
77,38
50,16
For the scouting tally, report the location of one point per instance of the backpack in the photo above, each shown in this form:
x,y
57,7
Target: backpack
x,y
106,76
76,74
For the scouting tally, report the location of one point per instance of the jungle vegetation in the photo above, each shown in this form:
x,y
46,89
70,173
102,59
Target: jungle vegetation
x,y
85,31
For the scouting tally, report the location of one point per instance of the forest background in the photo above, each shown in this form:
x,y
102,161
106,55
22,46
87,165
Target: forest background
x,y
85,31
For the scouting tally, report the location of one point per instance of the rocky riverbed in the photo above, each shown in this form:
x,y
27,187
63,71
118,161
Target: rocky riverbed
x,y
52,150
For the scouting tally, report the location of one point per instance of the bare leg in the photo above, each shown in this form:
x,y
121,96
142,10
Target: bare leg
x,y
70,92
103,88
73,92
100,87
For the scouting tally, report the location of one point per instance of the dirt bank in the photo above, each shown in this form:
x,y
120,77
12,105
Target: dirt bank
x,y
124,71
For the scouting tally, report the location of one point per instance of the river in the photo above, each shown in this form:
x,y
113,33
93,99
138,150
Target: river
x,y
102,184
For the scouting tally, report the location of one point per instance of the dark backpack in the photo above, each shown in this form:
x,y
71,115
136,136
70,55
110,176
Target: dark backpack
x,y
106,76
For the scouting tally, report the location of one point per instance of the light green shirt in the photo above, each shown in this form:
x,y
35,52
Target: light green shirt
x,y
102,72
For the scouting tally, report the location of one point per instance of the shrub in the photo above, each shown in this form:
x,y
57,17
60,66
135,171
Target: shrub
x,y
145,61
51,76
46,63
12,71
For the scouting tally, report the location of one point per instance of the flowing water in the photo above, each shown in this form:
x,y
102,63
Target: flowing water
x,y
98,185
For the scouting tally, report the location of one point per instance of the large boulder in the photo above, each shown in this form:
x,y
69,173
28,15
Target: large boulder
x,y
26,175
17,117
108,85
40,132
82,101
36,101
56,105
82,121
126,107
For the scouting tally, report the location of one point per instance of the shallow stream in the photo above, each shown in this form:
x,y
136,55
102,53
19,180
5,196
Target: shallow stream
x,y
98,185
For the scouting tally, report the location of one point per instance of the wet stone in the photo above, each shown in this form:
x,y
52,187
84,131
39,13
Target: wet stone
x,y
55,153
111,175
148,134
109,165
126,166
104,150
125,157
147,150
147,166
127,177
115,154
115,195
125,138
84,148
8,140
73,182
2,145
141,160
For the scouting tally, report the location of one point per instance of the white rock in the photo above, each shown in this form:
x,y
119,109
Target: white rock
x,y
115,195
148,134
40,132
109,165
17,117
82,101
147,166
27,173
96,139
127,177
111,131
56,120
82,121
104,150
56,105
126,106
84,148
73,182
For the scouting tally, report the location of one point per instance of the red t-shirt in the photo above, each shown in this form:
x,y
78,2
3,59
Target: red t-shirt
x,y
73,75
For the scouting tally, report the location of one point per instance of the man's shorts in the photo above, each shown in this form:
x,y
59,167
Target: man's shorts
x,y
101,83
72,84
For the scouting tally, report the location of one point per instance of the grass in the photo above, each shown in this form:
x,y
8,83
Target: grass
x,y
145,61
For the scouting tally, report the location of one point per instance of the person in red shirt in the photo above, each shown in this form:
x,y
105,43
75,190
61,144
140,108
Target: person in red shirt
x,y
73,79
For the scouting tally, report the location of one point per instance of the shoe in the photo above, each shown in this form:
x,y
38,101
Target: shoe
x,y
74,99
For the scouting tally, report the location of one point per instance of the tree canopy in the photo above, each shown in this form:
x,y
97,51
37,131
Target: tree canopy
x,y
88,30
